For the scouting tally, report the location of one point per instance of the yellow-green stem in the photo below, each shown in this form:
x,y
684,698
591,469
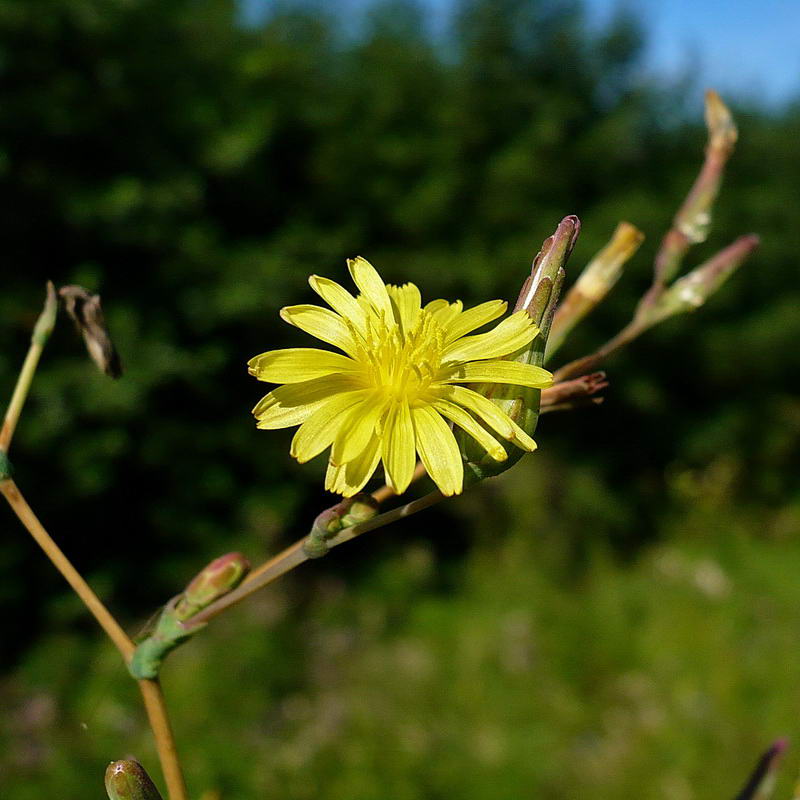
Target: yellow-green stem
x,y
156,708
591,362
24,512
151,691
294,555
152,695
20,394
41,333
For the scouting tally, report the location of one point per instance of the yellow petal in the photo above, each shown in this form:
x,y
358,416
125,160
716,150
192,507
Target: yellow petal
x,y
438,450
296,402
357,429
492,415
475,430
349,479
435,306
467,321
511,372
322,323
509,336
340,300
371,285
298,364
443,312
321,428
406,302
399,448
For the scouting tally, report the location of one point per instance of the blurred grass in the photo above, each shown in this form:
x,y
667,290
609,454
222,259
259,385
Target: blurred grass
x,y
513,669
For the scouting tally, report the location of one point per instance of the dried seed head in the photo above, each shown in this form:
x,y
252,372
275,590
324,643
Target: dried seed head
x,y
87,314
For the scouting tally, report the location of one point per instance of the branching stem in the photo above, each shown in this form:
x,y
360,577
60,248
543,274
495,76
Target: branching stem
x,y
151,690
294,555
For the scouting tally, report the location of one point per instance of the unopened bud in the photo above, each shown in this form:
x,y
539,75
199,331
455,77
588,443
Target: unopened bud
x,y
217,579
175,624
692,290
604,270
693,220
761,783
539,297
349,512
574,393
547,272
722,132
127,780
47,319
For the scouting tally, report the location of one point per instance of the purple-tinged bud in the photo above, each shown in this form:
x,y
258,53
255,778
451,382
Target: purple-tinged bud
x,y
692,290
175,624
217,579
349,512
692,221
761,783
574,393
127,780
539,296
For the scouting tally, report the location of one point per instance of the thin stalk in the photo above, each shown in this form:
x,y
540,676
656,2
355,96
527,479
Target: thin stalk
x,y
151,691
589,363
41,333
24,512
294,555
156,708
20,394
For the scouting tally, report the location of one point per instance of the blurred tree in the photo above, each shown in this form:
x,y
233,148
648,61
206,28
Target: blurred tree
x,y
194,171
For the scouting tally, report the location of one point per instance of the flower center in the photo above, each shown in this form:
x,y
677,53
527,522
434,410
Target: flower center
x,y
400,362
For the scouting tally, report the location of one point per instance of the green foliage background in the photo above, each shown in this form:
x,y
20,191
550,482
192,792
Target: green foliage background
x,y
617,617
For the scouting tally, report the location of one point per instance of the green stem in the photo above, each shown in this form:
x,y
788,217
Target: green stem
x,y
294,555
41,333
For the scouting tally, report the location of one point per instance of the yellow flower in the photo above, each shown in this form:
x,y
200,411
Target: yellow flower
x,y
390,396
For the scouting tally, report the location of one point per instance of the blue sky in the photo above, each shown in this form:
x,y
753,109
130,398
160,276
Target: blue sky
x,y
744,48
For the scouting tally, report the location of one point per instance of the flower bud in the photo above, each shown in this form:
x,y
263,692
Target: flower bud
x,y
574,393
693,219
722,132
539,296
351,511
127,780
220,577
692,290
47,319
175,625
761,783
547,271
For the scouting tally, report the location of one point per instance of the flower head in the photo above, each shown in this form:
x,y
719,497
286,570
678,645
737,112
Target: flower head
x,y
391,393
